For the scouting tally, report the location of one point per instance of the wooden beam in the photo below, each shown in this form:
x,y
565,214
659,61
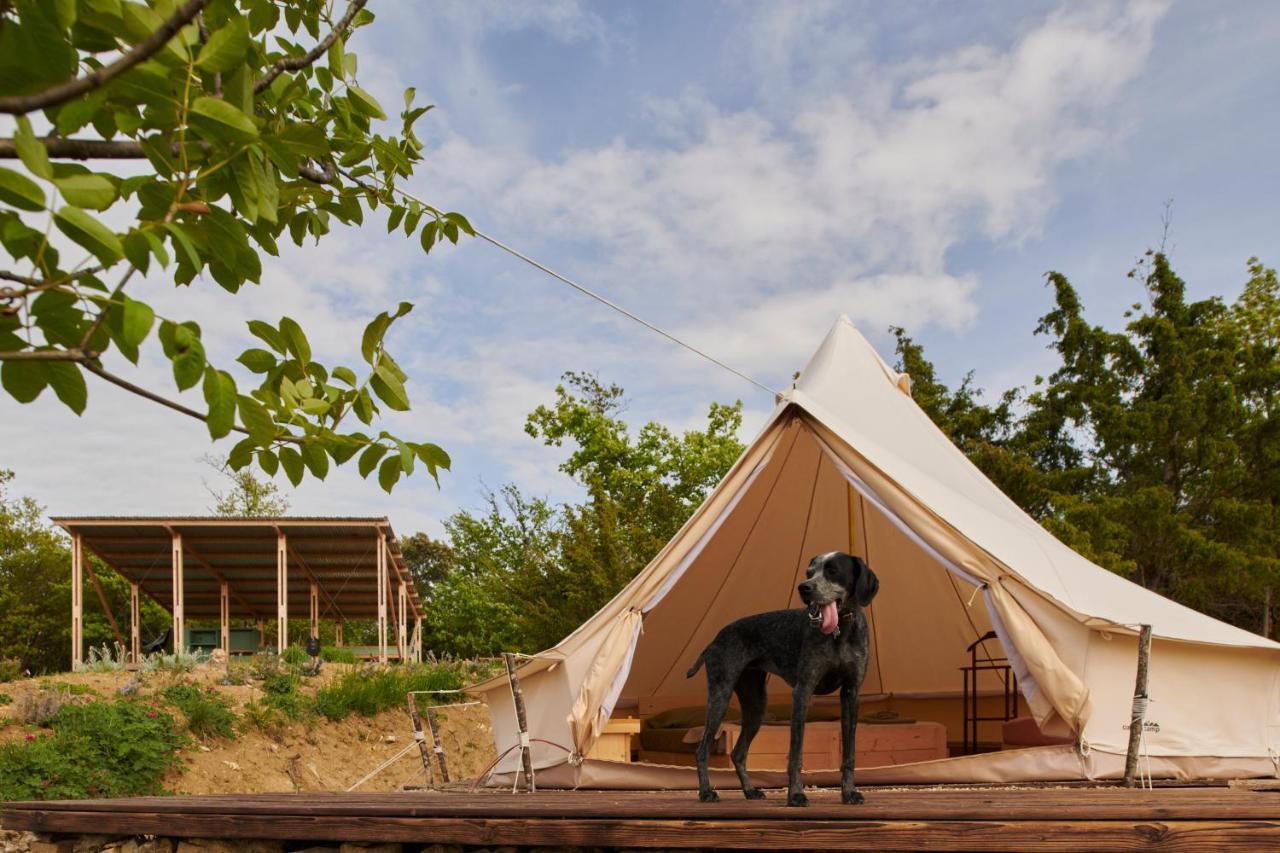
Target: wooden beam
x,y
417,640
102,599
282,591
179,618
337,633
315,581
77,601
224,618
402,631
135,624
382,598
315,609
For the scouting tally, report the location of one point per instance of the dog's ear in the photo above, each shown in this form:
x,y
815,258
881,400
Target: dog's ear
x,y
865,583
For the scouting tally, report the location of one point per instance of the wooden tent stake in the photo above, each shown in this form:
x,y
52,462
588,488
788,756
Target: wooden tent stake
x,y
419,737
521,720
1138,715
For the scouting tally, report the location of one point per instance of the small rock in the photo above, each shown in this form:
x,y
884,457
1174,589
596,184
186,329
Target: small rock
x,y
389,739
218,845
231,764
204,748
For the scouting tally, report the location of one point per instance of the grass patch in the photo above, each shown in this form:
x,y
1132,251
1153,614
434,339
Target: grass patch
x,y
100,749
10,670
207,712
329,654
5,698
369,692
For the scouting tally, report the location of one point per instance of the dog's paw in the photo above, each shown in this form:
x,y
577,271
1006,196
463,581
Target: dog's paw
x,y
708,796
753,794
797,799
852,798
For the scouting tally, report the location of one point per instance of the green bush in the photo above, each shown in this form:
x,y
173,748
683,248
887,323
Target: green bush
x,y
369,692
293,656
100,749
5,698
208,713
10,670
331,654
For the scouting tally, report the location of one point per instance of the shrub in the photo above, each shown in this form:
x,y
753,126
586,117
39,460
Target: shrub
x,y
36,708
95,750
5,698
10,670
293,656
331,654
369,692
208,713
105,659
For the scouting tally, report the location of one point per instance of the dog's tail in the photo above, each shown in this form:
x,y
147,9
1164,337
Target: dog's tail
x,y
697,665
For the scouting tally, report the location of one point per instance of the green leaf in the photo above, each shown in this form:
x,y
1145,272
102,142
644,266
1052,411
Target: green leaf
x,y
257,420
24,380
226,47
335,59
89,233
296,340
369,458
317,462
364,103
137,251
291,461
461,221
430,233
433,455
136,322
389,388
394,217
257,360
31,150
389,473
268,462
406,457
67,382
242,454
267,333
183,241
219,120
18,190
87,190
220,395
373,334
346,374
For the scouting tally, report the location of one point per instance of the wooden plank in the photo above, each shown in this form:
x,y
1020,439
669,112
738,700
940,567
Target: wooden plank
x,y
1049,835
1102,804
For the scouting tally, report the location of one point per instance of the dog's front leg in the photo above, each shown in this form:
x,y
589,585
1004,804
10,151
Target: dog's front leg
x,y
848,744
799,711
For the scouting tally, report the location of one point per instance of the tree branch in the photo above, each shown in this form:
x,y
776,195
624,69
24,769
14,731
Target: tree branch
x,y
63,92
35,285
128,149
294,63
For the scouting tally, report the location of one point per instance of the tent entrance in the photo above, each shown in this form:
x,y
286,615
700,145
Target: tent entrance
x,y
925,623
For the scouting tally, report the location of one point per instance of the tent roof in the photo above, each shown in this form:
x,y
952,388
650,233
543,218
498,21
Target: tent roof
x,y
340,553
850,390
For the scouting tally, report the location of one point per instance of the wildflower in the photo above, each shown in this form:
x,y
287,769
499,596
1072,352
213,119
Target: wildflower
x,y
30,736
151,714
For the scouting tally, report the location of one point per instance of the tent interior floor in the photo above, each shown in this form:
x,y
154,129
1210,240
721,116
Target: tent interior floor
x,y
925,818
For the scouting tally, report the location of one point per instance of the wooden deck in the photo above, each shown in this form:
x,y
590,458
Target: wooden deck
x,y
1055,819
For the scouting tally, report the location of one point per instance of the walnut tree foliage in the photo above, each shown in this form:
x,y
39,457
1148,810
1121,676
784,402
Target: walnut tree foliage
x,y
184,140
1154,449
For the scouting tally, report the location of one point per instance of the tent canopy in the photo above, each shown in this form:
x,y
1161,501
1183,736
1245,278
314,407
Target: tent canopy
x,y
849,462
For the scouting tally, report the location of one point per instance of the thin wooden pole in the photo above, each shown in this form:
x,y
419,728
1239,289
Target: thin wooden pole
x,y
402,630
437,746
522,721
417,640
382,598
224,618
337,633
1137,717
135,624
419,736
262,634
179,599
77,602
315,609
282,591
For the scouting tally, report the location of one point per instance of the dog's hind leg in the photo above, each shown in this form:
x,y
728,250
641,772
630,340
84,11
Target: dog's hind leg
x,y
753,697
719,689
849,793
800,696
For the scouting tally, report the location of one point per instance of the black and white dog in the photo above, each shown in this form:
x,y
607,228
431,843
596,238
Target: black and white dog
x,y
815,649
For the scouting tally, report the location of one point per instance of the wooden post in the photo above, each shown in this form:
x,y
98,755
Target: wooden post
x,y
224,618
77,602
402,631
522,721
419,736
1137,717
87,566
417,639
135,624
382,598
438,747
337,633
282,591
179,619
315,609
262,634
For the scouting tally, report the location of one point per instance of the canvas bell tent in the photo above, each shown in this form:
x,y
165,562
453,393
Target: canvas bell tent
x,y
848,461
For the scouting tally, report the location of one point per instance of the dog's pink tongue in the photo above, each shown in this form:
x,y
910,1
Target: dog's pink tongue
x,y
830,617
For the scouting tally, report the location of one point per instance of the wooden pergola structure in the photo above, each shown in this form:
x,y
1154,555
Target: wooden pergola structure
x,y
251,568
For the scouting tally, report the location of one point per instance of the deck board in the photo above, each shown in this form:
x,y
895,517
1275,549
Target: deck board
x,y
951,819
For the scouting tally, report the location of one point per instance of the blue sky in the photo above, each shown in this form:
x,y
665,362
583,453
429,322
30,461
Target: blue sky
x,y
740,173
